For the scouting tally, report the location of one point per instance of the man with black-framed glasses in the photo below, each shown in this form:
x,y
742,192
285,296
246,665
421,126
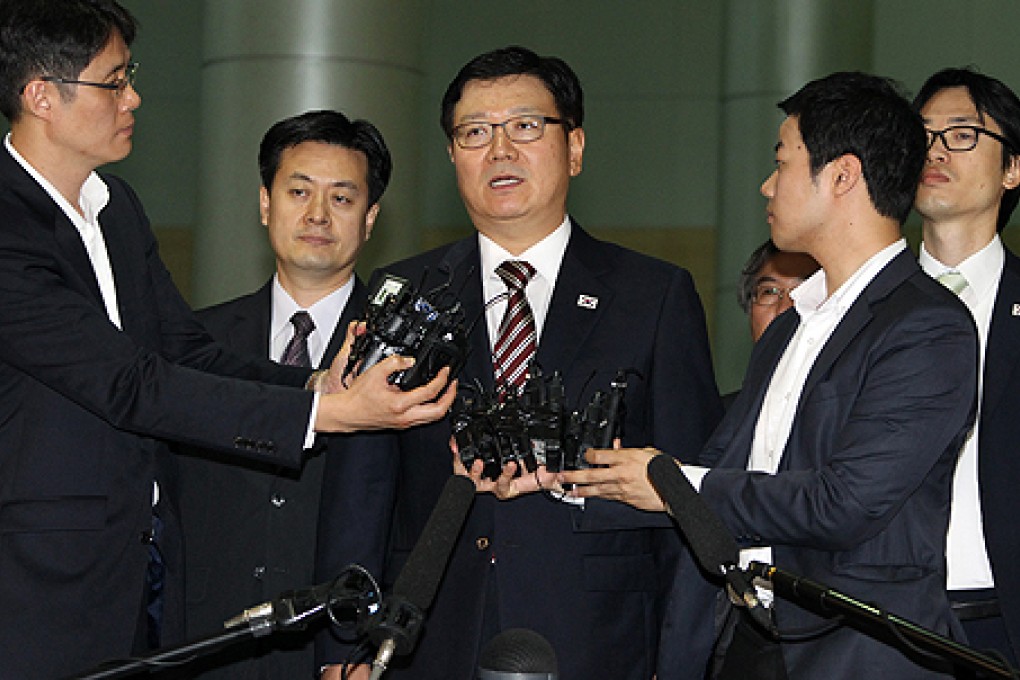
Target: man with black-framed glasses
x,y
969,188
588,576
102,362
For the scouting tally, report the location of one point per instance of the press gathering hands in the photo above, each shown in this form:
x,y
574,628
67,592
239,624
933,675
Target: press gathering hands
x,y
370,402
621,475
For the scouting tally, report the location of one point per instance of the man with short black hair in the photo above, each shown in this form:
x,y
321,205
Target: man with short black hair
x,y
969,188
835,462
102,362
254,531
588,577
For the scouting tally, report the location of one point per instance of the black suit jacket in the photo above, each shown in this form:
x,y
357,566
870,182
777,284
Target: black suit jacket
x,y
998,438
84,411
861,499
255,530
589,579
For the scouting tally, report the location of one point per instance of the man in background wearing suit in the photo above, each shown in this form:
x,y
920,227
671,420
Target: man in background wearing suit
x,y
835,461
589,577
102,363
251,530
967,192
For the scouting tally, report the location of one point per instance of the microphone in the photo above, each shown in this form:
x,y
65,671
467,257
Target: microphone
x,y
518,654
396,627
353,592
712,544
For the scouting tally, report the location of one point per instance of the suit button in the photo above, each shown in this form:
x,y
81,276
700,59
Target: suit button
x,y
278,501
482,542
259,572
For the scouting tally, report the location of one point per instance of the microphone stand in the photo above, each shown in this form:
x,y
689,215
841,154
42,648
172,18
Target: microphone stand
x,y
177,654
864,616
291,610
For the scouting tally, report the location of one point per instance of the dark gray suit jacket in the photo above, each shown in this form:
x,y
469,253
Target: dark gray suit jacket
x,y
85,409
998,439
861,499
253,531
591,580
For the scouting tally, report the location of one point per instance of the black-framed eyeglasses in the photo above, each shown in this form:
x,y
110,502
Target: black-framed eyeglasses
x,y
118,85
519,129
769,294
963,137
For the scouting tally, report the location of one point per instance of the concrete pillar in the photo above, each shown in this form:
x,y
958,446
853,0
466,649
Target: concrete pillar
x,y
264,60
770,49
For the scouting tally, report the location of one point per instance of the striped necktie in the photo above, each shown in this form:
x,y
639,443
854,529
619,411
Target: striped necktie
x,y
517,341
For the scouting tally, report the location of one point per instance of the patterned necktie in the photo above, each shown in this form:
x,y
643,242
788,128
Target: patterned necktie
x,y
954,281
517,341
296,353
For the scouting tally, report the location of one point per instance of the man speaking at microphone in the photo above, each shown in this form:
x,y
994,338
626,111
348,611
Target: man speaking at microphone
x,y
835,461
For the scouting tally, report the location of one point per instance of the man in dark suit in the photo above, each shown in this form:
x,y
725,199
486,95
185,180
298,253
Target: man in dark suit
x,y
588,577
836,460
101,362
967,193
251,530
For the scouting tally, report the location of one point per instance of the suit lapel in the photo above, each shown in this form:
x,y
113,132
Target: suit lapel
x,y
571,318
1003,336
65,234
461,265
354,309
858,316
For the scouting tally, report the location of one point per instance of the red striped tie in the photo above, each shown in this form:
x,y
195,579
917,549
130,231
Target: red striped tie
x,y
518,341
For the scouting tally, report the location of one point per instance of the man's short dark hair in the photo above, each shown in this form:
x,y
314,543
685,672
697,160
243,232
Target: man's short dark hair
x,y
328,127
749,274
555,74
53,38
868,117
992,98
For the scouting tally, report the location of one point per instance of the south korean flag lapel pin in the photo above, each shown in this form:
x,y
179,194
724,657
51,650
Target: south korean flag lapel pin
x,y
591,302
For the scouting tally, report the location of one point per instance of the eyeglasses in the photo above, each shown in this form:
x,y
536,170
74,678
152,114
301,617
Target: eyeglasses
x,y
519,129
118,85
963,137
768,294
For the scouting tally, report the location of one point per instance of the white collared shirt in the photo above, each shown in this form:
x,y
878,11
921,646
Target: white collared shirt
x,y
326,313
93,197
546,256
967,565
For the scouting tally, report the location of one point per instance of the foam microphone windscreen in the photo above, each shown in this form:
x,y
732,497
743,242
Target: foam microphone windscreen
x,y
710,541
518,654
420,577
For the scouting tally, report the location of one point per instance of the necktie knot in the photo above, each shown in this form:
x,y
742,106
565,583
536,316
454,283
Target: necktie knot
x,y
296,352
954,281
515,273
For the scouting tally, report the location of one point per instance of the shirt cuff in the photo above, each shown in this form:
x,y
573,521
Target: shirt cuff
x,y
694,474
310,432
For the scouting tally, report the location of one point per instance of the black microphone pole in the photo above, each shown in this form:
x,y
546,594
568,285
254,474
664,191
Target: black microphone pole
x,y
291,610
815,597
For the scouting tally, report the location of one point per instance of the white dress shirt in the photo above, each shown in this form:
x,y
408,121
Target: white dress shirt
x,y
325,314
967,564
546,256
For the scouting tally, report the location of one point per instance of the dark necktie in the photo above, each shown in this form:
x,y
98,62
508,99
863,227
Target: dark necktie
x,y
517,340
296,352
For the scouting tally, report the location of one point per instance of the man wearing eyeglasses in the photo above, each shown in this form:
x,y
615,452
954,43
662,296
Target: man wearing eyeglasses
x,y
765,283
589,577
965,198
102,361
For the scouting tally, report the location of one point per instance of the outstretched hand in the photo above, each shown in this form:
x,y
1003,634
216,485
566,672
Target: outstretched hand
x,y
621,475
